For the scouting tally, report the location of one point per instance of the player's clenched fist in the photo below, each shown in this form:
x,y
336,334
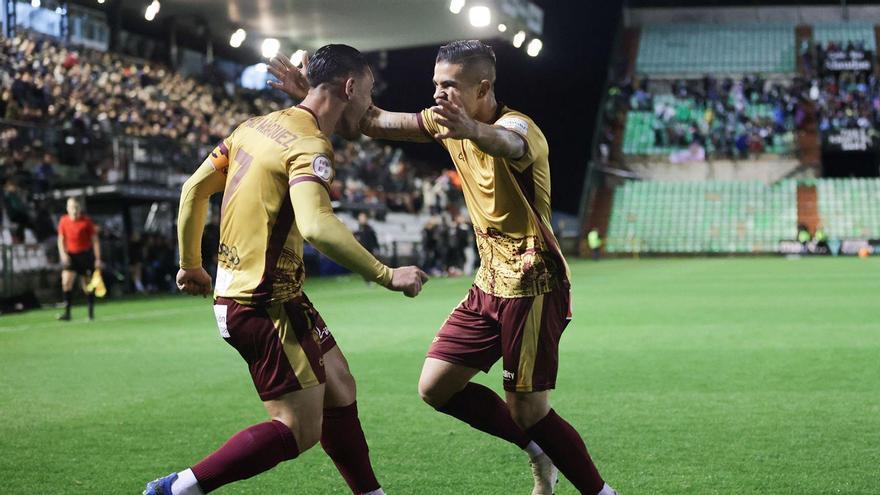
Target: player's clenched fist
x,y
194,281
408,279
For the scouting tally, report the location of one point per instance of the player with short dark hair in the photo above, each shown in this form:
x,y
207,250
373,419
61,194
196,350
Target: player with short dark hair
x,y
520,302
80,251
275,172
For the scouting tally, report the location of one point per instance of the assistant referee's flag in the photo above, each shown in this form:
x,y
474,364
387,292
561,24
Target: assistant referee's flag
x,y
97,284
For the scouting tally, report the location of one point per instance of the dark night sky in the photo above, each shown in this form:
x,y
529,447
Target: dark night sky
x,y
560,89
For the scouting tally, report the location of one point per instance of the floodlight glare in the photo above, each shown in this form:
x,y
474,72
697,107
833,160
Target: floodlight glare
x,y
480,16
534,47
297,58
237,38
270,47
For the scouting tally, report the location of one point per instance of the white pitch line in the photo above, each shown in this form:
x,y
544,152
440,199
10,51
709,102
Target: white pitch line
x,y
122,317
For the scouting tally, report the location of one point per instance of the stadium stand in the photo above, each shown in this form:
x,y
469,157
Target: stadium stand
x,y
844,33
699,49
702,217
850,208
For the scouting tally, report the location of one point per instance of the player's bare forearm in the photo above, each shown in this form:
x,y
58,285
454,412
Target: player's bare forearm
x,y
194,197
61,252
318,225
395,126
96,245
499,142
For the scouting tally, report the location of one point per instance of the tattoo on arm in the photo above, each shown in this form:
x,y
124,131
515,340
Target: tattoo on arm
x,y
396,126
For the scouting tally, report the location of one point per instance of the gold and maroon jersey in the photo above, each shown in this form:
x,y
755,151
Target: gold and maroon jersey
x,y
509,205
260,253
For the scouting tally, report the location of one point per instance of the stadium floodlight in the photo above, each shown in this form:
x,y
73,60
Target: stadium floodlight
x,y
270,47
35,4
534,47
297,58
101,1
480,16
502,28
152,10
237,38
519,38
455,6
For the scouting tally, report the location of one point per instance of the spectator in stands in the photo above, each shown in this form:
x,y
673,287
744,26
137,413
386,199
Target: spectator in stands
x,y
594,242
80,251
136,261
461,241
366,235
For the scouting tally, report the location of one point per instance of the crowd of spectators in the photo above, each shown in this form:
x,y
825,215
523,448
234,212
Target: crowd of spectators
x,y
55,97
722,118
847,99
48,82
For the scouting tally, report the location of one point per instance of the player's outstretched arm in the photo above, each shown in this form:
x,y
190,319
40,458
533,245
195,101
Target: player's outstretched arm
x,y
493,140
321,228
197,190
395,126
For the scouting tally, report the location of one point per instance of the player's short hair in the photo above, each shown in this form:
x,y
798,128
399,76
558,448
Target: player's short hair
x,y
335,63
477,57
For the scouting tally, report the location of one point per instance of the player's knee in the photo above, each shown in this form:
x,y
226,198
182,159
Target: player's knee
x,y
431,393
307,433
526,410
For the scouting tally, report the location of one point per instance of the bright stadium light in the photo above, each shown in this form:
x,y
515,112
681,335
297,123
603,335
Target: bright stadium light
x,y
152,10
297,58
534,47
502,28
455,6
261,67
480,16
518,39
237,38
101,1
35,4
270,47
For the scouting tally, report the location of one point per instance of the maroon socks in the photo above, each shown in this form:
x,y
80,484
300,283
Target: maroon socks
x,y
481,408
562,443
343,440
248,453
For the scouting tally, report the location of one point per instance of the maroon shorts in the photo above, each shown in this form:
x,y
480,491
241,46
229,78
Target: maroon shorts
x,y
283,343
523,331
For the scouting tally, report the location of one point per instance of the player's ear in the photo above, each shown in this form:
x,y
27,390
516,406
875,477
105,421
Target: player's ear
x,y
485,86
349,88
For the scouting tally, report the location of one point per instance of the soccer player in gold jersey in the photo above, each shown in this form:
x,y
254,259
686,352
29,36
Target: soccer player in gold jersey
x,y
520,302
274,172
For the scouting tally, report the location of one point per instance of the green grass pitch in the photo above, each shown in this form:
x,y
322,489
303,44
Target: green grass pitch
x,y
691,376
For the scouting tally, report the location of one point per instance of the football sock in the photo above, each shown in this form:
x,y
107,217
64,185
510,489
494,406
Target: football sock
x,y
186,484
343,439
567,451
481,408
248,453
91,299
533,450
68,301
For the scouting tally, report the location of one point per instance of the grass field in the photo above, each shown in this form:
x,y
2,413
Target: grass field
x,y
697,376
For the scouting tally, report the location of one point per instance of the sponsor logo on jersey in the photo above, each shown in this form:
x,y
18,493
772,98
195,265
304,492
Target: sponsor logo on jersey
x,y
322,167
515,124
507,375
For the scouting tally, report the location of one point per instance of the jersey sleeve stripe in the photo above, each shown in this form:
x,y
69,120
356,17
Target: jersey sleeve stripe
x,y
308,178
